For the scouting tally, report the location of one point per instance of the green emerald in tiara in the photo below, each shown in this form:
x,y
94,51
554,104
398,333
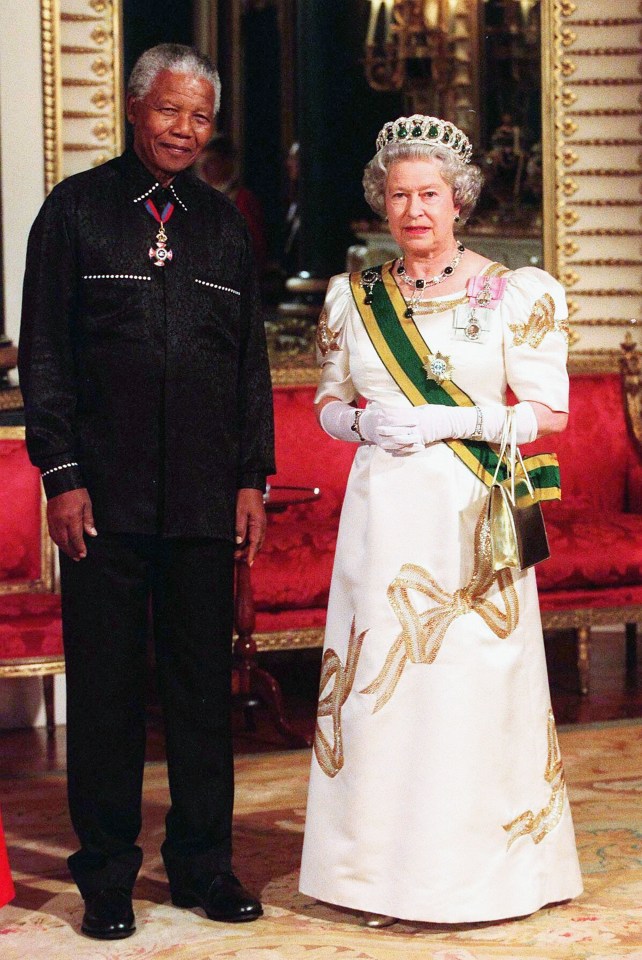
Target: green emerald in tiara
x,y
427,130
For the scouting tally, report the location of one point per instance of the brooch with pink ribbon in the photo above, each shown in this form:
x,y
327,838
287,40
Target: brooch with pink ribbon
x,y
485,293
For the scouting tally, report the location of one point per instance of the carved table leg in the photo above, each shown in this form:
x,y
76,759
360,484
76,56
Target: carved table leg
x,y
583,657
255,684
631,652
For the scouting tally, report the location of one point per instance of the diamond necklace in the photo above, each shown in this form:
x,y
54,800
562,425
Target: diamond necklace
x,y
420,285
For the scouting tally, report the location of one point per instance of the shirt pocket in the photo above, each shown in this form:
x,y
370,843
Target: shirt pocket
x,y
114,304
218,311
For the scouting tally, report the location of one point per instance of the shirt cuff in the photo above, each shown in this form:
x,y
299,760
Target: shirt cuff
x,y
252,481
62,479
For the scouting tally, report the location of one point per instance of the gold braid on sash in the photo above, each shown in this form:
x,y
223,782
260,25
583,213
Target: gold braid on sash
x,y
330,755
422,634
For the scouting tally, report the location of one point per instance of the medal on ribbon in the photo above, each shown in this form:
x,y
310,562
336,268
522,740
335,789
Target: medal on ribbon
x,y
162,254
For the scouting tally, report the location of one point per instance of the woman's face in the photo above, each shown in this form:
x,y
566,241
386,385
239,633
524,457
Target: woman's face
x,y
419,207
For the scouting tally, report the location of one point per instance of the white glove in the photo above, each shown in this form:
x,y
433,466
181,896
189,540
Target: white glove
x,y
439,422
398,435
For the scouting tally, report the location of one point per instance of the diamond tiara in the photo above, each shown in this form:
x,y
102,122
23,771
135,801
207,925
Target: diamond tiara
x,y
420,129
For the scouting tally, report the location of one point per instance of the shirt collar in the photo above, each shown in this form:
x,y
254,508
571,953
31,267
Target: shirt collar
x,y
141,183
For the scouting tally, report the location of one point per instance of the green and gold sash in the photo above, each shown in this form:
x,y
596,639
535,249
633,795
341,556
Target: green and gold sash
x,y
403,352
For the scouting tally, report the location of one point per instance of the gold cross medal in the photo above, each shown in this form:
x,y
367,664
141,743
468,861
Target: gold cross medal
x,y
161,255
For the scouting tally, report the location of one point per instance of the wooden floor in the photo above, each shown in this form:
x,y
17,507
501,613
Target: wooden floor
x,y
614,695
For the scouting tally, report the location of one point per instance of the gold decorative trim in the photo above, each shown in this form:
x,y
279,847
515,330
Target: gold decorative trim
x,y
607,22
84,115
81,82
60,108
605,142
307,639
630,367
295,376
592,616
606,262
80,50
34,667
635,292
607,232
81,147
607,172
607,52
607,322
584,362
603,112
78,18
605,82
538,825
52,115
603,203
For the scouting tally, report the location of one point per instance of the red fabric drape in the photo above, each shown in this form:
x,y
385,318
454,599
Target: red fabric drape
x,y
7,891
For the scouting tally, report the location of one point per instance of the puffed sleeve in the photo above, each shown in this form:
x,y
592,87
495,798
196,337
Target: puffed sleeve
x,y
331,345
535,320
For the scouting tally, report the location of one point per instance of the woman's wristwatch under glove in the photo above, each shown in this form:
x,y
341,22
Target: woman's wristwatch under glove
x,y
372,425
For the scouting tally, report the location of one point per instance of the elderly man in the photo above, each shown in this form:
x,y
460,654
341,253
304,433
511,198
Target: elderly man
x,y
148,409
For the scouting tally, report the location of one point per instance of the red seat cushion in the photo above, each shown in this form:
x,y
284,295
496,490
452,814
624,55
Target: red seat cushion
x,y
591,549
19,514
30,626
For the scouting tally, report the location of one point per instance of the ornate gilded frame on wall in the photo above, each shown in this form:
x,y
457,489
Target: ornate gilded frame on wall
x,y
592,149
592,76
82,84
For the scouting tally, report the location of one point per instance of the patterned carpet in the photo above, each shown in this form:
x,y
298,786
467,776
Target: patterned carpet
x,y
604,773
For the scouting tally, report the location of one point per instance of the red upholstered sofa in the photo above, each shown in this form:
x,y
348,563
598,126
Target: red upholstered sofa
x,y
30,628
594,575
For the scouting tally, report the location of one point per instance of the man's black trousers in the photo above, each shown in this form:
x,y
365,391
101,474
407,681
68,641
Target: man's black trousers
x,y
183,588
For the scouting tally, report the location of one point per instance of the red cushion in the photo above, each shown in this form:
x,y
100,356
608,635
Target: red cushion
x,y
599,464
295,565
269,622
591,549
19,514
587,599
30,626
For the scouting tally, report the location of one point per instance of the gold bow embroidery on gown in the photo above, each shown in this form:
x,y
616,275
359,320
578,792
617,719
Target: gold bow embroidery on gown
x,y
538,825
330,755
540,322
422,634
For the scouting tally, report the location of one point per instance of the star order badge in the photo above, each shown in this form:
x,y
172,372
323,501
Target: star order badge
x,y
438,367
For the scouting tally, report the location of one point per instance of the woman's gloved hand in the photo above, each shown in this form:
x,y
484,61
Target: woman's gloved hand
x,y
393,430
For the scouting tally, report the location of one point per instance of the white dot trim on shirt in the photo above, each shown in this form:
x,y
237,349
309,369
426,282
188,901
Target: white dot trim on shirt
x,y
114,276
63,466
176,197
144,195
218,286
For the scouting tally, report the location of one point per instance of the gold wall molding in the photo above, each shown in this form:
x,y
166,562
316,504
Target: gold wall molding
x,y
82,76
607,22
596,74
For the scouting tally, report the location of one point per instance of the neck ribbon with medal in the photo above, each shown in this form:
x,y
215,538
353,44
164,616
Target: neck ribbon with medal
x,y
161,255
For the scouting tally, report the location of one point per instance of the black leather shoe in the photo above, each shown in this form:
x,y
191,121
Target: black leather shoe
x,y
109,915
224,899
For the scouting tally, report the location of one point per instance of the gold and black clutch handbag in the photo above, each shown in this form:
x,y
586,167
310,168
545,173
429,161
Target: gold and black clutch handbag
x,y
516,523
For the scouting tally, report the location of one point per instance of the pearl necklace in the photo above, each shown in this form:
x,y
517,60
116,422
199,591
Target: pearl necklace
x,y
419,285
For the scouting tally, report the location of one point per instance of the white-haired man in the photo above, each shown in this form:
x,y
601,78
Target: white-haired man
x,y
148,410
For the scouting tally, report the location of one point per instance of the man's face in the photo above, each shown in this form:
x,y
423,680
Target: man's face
x,y
172,123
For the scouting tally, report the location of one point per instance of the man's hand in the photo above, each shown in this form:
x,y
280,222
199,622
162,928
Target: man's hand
x,y
70,516
250,524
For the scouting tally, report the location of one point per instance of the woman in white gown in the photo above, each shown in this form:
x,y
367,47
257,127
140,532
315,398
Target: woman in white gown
x,y
437,790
